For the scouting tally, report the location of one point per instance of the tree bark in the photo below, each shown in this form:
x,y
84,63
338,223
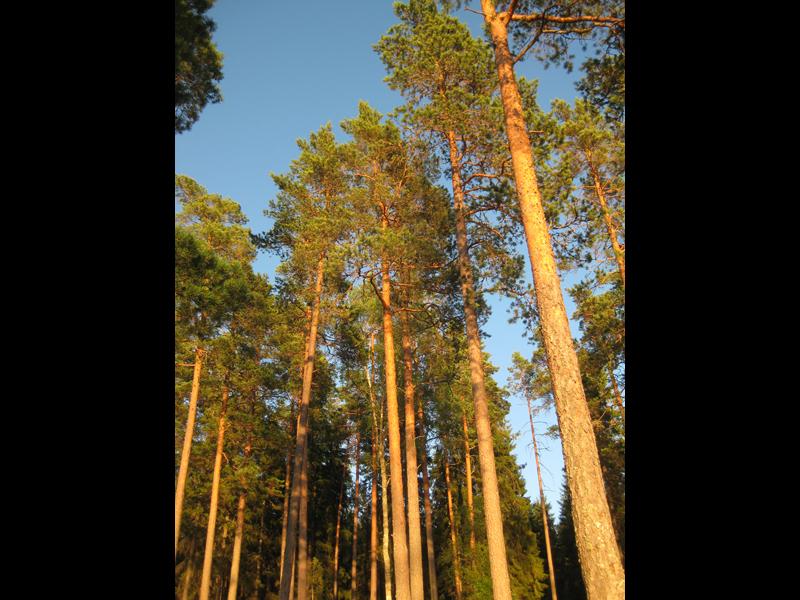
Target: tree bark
x,y
354,561
414,528
183,470
302,434
336,542
187,579
498,565
453,530
302,533
237,538
373,528
619,255
600,559
542,503
400,544
468,468
428,511
205,581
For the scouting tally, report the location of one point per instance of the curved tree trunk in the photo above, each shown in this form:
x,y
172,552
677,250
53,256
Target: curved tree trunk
x,y
600,558
414,528
205,580
302,434
183,470
498,564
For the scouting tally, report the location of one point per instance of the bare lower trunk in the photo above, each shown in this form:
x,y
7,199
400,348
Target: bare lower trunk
x,y
414,528
498,565
286,493
237,547
258,556
354,562
453,530
187,579
601,564
542,503
619,255
373,528
205,580
302,532
336,543
400,544
468,468
302,434
428,512
183,470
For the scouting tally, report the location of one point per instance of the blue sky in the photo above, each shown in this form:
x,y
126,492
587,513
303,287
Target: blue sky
x,y
291,67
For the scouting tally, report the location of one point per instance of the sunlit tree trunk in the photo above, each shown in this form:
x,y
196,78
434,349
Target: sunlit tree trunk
x,y
354,562
619,255
336,543
498,565
373,528
414,527
428,511
237,538
542,503
183,470
601,564
302,533
453,530
205,580
468,468
302,434
400,544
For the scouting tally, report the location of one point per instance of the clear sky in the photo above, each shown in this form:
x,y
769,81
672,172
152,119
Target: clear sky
x,y
289,68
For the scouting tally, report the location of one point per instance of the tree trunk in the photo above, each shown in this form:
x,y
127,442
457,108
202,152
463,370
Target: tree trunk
x,y
286,493
205,581
453,530
542,503
379,436
183,470
302,533
414,528
336,543
428,511
619,255
400,545
258,556
354,561
373,528
600,559
187,579
468,468
237,538
617,395
302,434
501,583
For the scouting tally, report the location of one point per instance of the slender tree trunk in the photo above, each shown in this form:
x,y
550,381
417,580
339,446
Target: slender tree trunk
x,y
258,556
428,511
600,558
468,466
501,583
205,581
187,579
400,544
183,470
617,395
237,538
286,493
414,527
619,255
379,436
302,544
543,504
354,562
302,434
373,528
453,530
336,543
